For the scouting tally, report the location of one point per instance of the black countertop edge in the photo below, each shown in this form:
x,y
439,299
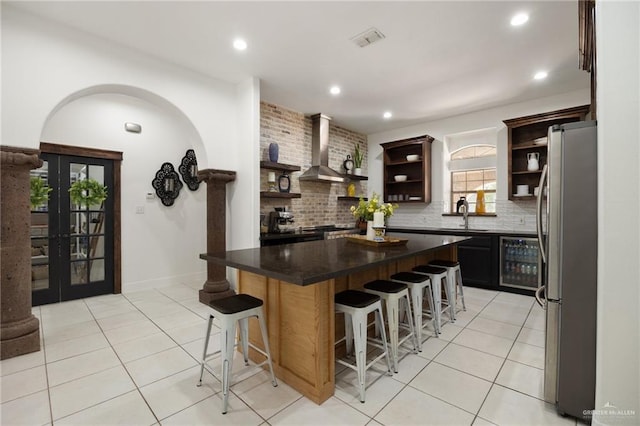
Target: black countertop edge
x,y
462,232
278,270
289,235
297,234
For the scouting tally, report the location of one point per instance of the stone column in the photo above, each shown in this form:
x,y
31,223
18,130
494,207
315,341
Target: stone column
x,y
19,329
216,286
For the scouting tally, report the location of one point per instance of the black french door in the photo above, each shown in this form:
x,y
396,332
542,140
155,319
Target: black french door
x,y
72,244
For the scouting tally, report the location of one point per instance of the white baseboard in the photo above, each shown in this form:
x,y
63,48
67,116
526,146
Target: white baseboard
x,y
186,279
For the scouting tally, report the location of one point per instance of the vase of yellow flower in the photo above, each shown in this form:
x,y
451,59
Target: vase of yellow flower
x,y
365,209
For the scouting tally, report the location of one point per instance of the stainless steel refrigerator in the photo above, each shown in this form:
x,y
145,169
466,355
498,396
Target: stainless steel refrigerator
x,y
568,236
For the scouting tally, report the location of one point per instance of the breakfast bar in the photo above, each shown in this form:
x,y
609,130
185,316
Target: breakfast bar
x,y
297,283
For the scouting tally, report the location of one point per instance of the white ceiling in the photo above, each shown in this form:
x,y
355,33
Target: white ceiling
x,y
438,58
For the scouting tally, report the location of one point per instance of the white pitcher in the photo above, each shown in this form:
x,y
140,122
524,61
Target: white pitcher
x,y
533,161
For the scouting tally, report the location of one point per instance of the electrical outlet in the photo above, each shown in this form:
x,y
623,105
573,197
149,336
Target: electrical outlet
x,y
522,220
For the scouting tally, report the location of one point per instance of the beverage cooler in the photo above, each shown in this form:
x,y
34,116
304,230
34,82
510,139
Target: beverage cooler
x,y
520,263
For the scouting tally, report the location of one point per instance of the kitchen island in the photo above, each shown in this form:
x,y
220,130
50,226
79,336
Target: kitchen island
x,y
297,283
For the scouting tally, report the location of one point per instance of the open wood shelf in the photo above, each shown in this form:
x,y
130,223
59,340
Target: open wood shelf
x,y
529,146
526,172
269,194
355,177
279,166
346,198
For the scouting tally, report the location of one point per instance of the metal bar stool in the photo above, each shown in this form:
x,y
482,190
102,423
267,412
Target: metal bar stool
x,y
454,279
392,292
356,305
437,275
229,310
418,284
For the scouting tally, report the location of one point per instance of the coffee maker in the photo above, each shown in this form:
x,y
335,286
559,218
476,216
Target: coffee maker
x,y
280,220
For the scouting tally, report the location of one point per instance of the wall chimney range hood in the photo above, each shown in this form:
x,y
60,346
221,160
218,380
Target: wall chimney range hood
x,y
320,171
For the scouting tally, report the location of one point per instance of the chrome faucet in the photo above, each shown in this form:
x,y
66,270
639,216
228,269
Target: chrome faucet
x,y
462,203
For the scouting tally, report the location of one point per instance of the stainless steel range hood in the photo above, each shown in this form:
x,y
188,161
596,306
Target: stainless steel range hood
x,y
320,171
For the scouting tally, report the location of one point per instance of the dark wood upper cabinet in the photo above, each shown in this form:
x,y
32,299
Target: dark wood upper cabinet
x,y
417,186
527,135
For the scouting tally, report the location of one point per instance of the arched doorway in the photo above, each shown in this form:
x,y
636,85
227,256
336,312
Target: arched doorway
x,y
90,124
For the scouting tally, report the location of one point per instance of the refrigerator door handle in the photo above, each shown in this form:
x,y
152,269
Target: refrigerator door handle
x,y
539,299
543,181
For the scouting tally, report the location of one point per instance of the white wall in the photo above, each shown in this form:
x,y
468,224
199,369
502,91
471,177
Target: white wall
x,y
509,214
46,66
163,243
618,109
244,194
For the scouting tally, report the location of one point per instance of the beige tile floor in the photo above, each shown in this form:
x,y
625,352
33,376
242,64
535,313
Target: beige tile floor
x,y
133,359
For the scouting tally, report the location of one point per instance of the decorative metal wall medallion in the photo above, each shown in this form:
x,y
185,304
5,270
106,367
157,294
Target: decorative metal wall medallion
x,y
167,184
189,170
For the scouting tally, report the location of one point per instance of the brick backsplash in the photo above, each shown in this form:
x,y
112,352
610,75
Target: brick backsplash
x,y
292,132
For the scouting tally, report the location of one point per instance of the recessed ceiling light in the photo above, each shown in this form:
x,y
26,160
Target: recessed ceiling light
x,y
519,19
387,114
335,90
540,75
239,44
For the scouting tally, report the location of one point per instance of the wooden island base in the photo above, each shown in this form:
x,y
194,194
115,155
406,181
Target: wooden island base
x,y
302,325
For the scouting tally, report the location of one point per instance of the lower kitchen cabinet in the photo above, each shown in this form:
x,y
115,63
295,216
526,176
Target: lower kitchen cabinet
x,y
479,261
479,258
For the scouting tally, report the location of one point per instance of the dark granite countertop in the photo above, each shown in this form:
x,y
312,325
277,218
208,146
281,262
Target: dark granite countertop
x,y
314,261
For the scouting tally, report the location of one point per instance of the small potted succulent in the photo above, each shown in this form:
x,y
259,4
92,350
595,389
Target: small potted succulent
x,y
358,156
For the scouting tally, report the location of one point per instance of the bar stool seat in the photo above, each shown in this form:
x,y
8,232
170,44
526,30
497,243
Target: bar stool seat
x,y
356,305
445,262
392,292
419,284
231,310
455,280
437,274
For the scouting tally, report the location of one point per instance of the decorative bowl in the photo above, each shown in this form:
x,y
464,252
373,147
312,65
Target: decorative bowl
x,y
400,178
413,157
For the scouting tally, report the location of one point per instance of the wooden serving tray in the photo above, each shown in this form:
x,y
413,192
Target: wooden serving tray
x,y
388,241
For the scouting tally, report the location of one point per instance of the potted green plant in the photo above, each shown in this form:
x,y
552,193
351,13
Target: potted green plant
x,y
364,211
358,156
39,192
87,192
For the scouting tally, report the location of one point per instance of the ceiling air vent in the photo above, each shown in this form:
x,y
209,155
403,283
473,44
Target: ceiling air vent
x,y
368,37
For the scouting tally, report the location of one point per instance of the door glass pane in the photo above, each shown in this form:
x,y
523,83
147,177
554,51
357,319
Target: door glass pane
x,y
39,263
78,272
96,246
40,188
40,193
77,172
96,222
96,173
78,223
78,247
96,272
